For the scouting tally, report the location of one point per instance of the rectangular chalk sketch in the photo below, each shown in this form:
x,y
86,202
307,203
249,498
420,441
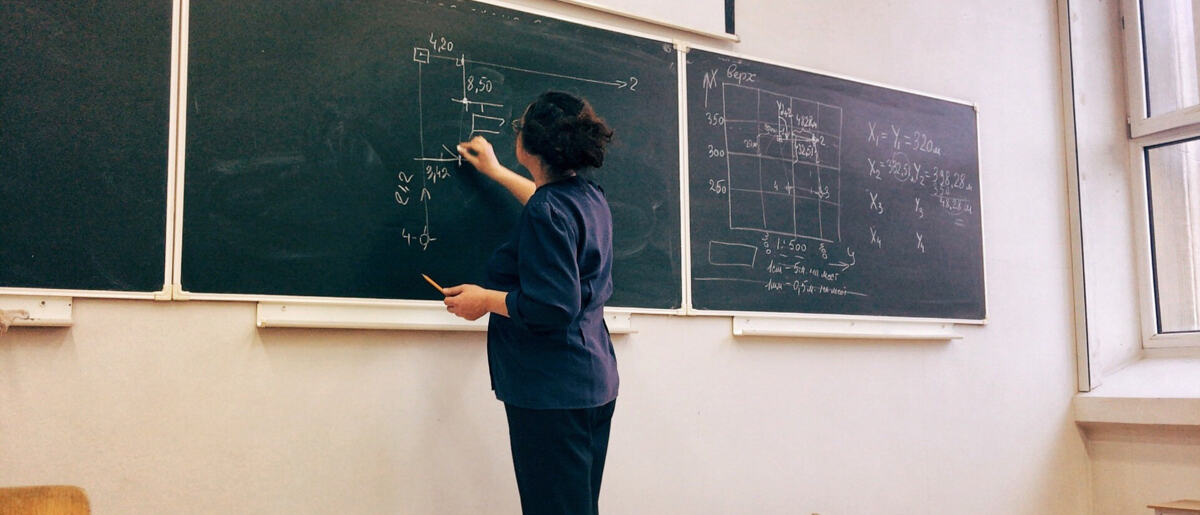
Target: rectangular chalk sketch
x,y
485,124
731,254
784,163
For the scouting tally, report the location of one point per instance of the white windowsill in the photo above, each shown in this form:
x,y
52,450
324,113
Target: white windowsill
x,y
1153,391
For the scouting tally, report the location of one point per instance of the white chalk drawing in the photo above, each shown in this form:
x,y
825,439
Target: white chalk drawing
x,y
782,162
731,254
476,92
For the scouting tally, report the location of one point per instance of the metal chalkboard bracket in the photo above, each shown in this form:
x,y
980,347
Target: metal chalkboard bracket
x,y
37,310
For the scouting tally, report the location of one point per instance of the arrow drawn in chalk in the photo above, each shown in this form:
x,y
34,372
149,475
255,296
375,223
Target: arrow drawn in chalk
x,y
844,265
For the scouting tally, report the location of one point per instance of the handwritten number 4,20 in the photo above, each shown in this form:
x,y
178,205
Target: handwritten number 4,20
x,y
440,44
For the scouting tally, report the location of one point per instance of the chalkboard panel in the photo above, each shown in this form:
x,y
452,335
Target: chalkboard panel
x,y
84,112
320,144
814,194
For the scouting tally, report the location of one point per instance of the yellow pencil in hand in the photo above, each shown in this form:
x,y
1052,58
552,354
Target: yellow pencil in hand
x,y
435,284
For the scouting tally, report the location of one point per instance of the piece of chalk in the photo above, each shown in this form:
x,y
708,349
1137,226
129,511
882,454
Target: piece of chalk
x,y
435,284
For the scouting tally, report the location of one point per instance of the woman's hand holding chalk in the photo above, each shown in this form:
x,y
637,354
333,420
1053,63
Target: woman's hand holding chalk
x,y
479,153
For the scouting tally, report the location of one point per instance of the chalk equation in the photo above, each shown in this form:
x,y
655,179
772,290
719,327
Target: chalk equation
x,y
946,188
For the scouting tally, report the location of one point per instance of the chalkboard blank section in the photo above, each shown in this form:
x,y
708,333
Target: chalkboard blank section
x,y
811,194
320,153
84,113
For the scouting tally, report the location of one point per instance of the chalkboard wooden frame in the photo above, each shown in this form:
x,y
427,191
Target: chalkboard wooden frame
x,y
799,328
418,310
57,295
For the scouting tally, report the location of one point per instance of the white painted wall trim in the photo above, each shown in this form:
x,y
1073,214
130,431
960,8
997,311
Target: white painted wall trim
x,y
1087,378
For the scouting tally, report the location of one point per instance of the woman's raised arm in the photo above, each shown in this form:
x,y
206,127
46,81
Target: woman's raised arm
x,y
479,153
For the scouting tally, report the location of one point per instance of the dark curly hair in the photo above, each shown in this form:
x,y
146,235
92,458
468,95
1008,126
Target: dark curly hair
x,y
565,132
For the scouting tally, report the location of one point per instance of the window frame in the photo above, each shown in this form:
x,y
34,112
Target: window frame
x,y
1145,132
1140,124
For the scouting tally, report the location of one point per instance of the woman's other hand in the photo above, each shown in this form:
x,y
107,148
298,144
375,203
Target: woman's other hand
x,y
480,154
470,301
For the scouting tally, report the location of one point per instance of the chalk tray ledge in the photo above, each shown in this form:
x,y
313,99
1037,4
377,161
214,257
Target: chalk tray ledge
x,y
844,328
410,316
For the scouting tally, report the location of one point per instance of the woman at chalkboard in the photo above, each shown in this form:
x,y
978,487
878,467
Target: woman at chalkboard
x,y
549,353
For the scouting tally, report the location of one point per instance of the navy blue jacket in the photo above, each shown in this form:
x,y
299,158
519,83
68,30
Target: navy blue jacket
x,y
553,350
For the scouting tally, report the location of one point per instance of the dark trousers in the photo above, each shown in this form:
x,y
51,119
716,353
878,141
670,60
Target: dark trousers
x,y
559,455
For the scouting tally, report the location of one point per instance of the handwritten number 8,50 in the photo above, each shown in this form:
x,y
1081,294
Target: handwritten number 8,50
x,y
483,85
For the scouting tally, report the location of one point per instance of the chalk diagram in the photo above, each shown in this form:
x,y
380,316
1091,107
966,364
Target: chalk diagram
x,y
783,162
471,90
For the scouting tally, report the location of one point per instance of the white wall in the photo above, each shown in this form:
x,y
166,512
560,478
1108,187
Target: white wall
x,y
1133,467
186,408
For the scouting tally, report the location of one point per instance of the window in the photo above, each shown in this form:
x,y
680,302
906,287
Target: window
x,y
1173,178
1169,43
1164,114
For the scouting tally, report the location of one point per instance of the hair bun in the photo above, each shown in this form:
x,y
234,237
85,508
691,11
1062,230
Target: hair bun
x,y
565,132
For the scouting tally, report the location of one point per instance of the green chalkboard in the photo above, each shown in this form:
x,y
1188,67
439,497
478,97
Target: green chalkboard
x,y
320,137
84,113
816,194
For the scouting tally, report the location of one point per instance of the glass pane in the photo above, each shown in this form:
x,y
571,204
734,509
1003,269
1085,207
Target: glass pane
x,y
1169,32
1174,176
